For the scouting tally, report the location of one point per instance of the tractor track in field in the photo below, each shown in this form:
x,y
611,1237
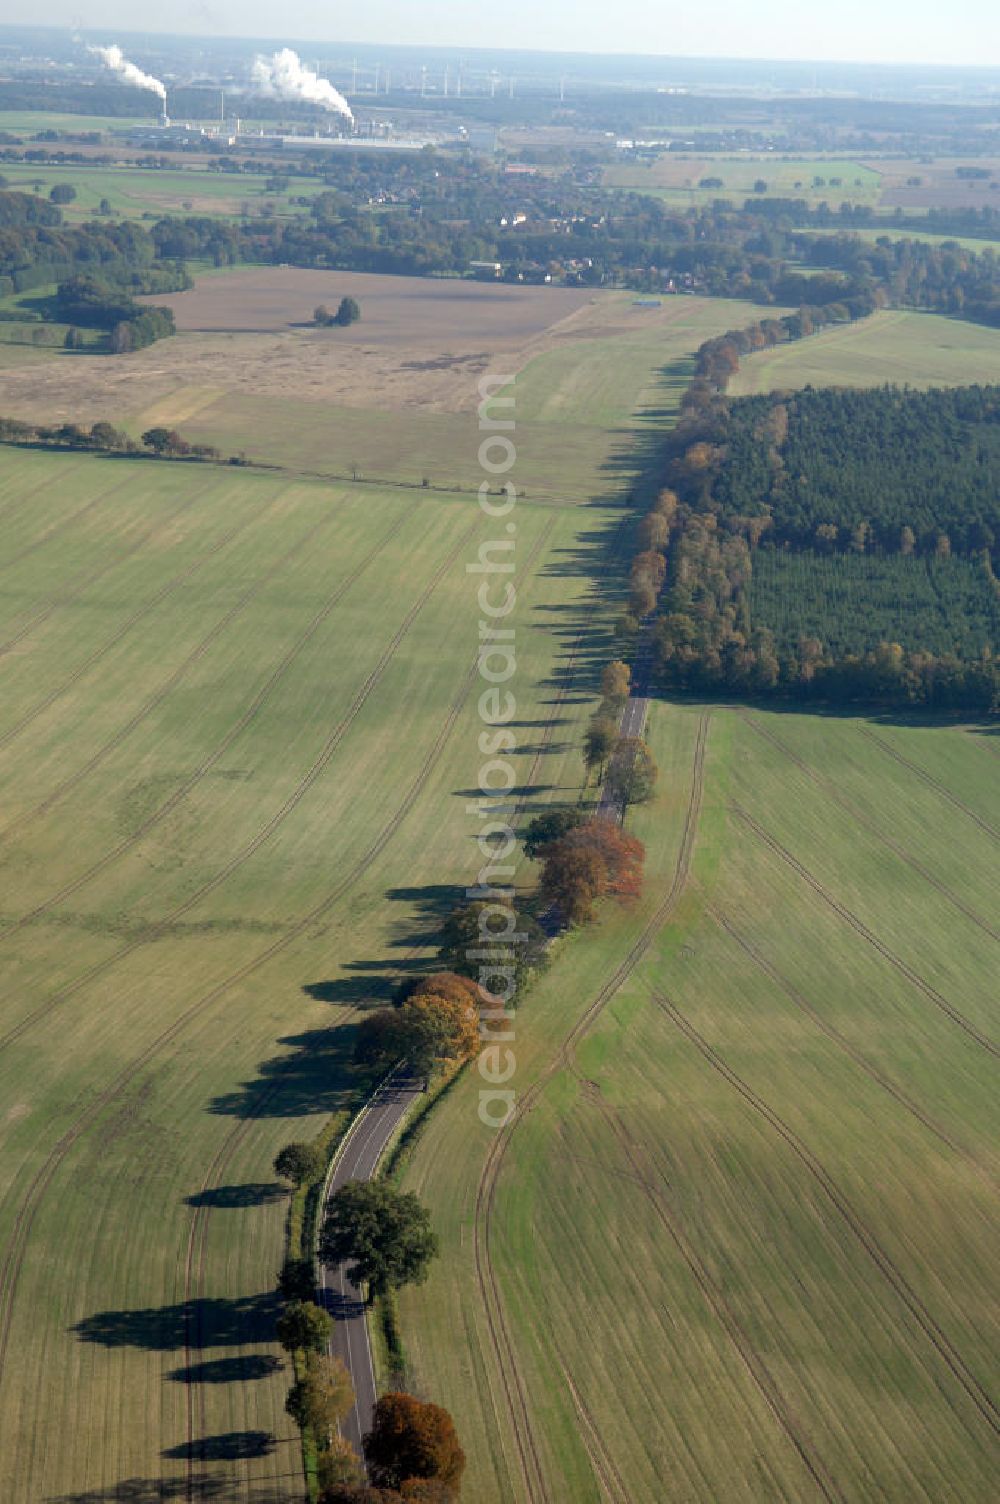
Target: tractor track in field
x,y
499,1332
883,1261
932,782
833,1034
755,1365
18,503
196,654
905,970
126,626
58,527
15,1250
88,577
236,861
609,1479
194,1269
829,786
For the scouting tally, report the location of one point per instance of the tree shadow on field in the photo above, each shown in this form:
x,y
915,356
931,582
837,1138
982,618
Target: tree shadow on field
x,y
239,1197
238,1322
152,1491
311,1075
241,1370
232,1446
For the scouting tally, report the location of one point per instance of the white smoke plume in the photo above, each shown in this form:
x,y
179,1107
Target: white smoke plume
x,y
114,58
285,76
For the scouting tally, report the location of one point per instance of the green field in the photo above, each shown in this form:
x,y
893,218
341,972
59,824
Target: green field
x,y
237,741
900,232
676,178
738,1243
238,726
136,192
922,349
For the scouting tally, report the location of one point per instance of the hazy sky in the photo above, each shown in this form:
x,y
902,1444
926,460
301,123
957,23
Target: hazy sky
x,y
920,31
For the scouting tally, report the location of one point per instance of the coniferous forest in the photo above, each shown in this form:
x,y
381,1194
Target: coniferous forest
x,y
834,544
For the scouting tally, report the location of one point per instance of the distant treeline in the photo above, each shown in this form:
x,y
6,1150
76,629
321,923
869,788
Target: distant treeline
x,y
104,438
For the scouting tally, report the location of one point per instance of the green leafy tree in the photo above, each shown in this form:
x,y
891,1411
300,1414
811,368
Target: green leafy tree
x,y
299,1163
297,1279
598,745
106,436
62,193
302,1324
348,312
548,827
477,925
632,773
385,1234
321,1397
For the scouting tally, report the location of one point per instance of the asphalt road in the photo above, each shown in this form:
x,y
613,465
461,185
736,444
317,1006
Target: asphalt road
x,y
358,1159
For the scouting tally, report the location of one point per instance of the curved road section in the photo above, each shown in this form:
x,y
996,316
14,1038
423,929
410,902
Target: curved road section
x,y
358,1159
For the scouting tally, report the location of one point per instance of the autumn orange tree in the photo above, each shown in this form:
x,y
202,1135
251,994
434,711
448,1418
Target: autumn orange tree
x,y
413,1441
438,1020
590,862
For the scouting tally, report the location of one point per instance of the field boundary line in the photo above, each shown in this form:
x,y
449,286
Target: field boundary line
x,y
886,1265
862,929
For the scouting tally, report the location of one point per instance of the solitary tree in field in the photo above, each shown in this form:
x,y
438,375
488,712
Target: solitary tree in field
x,y
385,1233
302,1324
411,1439
322,315
348,312
62,193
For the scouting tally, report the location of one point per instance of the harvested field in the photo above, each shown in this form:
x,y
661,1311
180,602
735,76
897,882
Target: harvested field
x,y
394,398
398,312
940,186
